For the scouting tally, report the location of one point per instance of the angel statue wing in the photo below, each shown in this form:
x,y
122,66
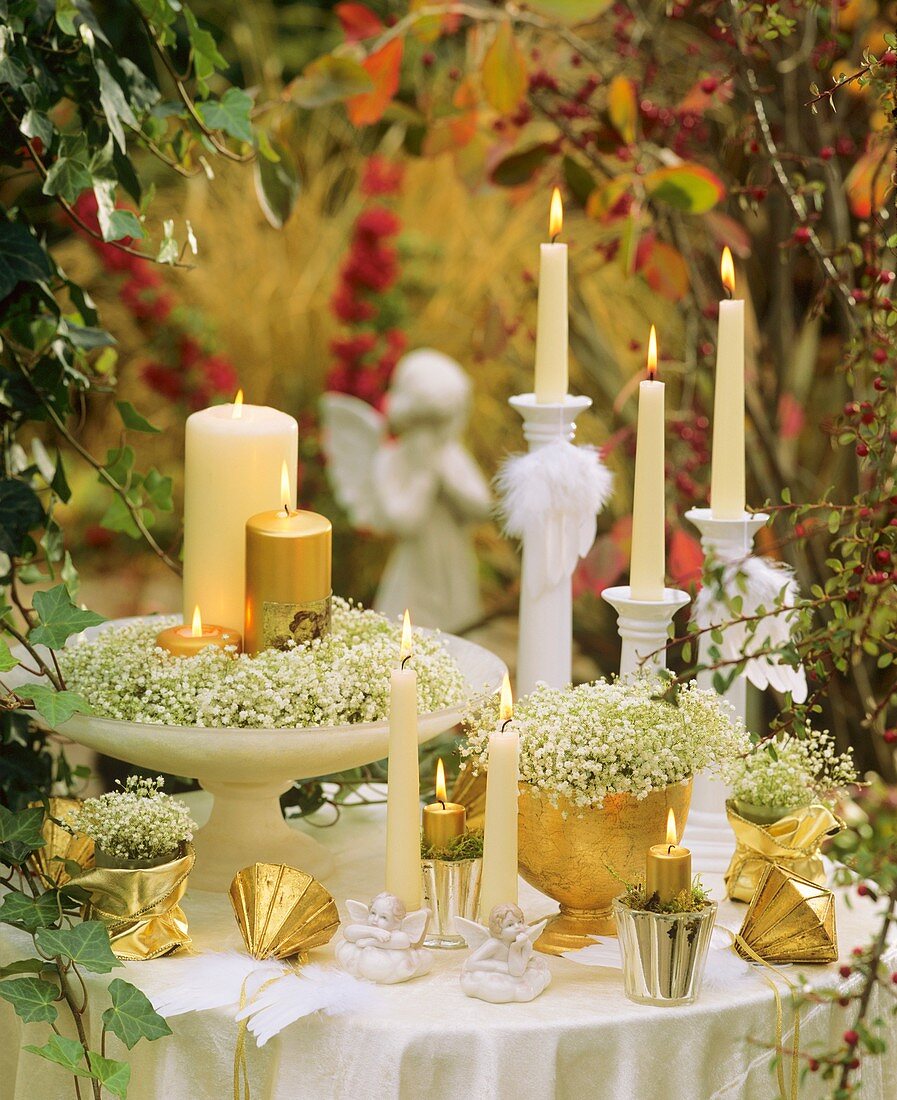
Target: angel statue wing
x,y
353,433
475,935
358,911
536,930
415,924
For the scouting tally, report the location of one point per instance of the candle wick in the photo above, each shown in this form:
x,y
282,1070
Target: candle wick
x,y
441,802
405,660
505,724
670,847
554,238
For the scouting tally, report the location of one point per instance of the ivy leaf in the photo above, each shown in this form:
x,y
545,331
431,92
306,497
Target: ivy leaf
x,y
277,185
56,706
22,260
117,517
131,418
112,1075
115,106
327,80
689,187
7,661
85,944
32,999
67,177
520,167
59,617
504,71
29,913
131,1016
206,58
64,1052
35,124
158,490
20,833
26,966
115,224
229,114
20,512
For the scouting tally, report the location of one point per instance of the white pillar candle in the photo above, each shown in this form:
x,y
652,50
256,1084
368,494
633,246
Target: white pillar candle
x,y
403,874
727,492
233,459
647,565
499,884
551,331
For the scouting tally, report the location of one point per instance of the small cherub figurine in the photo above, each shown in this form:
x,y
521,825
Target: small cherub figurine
x,y
383,943
503,967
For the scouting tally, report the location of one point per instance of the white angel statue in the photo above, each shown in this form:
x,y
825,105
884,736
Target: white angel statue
x,y
383,945
408,475
503,967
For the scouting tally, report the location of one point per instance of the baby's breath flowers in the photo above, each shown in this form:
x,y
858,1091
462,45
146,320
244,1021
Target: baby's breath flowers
x,y
612,737
329,682
789,772
137,821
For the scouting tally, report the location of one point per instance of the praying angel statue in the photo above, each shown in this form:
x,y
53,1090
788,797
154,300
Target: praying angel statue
x,y
407,474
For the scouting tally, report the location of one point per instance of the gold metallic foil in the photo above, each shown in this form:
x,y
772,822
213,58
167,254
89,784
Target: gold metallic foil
x,y
140,908
792,843
49,861
287,579
470,791
790,920
282,911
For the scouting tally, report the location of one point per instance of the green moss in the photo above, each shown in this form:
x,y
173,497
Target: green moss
x,y
466,846
688,901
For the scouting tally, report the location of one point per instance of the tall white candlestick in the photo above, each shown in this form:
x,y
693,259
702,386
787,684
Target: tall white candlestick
x,y
552,326
727,491
403,873
499,883
647,566
233,458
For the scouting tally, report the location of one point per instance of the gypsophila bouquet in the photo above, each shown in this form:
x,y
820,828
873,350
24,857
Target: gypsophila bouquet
x,y
788,772
612,737
137,821
331,681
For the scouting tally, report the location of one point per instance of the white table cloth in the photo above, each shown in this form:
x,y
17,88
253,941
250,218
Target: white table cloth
x,y
581,1038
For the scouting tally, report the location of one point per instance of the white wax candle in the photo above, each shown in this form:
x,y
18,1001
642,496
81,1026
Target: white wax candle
x,y
232,466
727,492
499,883
403,873
647,565
551,331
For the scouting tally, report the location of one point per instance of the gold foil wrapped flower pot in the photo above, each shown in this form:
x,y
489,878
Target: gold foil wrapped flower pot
x,y
282,911
61,847
140,907
792,842
790,920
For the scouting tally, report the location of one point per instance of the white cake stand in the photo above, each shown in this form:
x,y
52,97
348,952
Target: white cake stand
x,y
247,770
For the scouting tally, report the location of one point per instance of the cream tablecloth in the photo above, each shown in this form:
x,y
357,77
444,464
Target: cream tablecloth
x,y
581,1039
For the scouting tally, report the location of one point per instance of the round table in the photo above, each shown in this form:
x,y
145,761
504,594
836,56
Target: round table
x,y
581,1038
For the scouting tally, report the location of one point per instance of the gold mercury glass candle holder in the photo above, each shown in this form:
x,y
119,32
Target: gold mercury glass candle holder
x,y
663,953
451,888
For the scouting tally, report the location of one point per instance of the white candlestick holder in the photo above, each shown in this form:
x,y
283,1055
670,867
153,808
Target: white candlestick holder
x,y
643,626
545,646
708,833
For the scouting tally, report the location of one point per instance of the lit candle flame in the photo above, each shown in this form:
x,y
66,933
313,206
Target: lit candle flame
x,y
727,270
506,707
405,648
196,628
555,215
236,412
441,795
285,494
652,355
672,835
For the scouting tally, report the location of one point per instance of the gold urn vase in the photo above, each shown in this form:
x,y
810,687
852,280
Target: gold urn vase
x,y
573,855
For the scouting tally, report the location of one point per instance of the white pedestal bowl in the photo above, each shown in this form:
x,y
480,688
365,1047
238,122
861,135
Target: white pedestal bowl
x,y
247,770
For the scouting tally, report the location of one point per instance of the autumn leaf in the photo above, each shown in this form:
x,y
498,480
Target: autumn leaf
x,y
622,107
504,72
358,22
689,187
610,201
869,181
663,268
686,559
570,11
383,67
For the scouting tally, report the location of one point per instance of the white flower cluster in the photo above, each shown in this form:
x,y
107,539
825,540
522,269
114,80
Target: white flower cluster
x,y
612,737
329,682
138,821
790,771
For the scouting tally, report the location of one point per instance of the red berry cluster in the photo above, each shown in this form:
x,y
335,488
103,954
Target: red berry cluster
x,y
365,300
694,433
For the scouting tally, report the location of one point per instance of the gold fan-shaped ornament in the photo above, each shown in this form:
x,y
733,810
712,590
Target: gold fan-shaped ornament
x,y
282,911
470,792
49,861
791,920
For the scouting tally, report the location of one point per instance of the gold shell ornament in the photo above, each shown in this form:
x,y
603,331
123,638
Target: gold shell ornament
x,y
49,861
282,911
470,792
790,920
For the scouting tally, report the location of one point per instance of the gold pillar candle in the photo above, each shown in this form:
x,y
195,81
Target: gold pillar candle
x,y
443,820
287,577
668,870
186,641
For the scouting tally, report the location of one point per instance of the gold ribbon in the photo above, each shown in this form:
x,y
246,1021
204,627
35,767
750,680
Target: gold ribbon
x,y
140,907
241,1068
792,843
